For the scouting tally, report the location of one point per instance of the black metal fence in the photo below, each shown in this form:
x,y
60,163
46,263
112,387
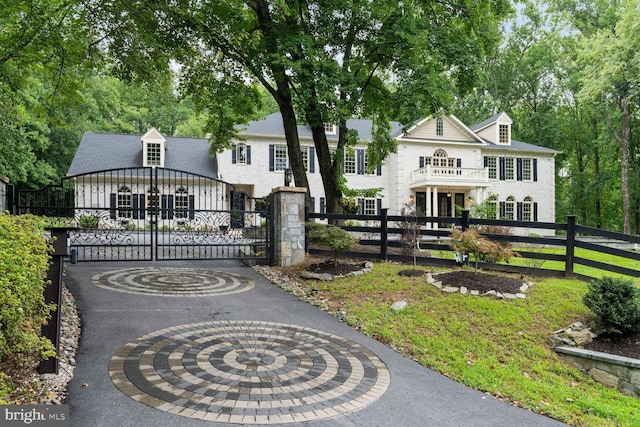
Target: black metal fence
x,y
379,237
143,214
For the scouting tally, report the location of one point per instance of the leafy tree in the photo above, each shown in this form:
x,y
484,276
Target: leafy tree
x,y
322,62
411,228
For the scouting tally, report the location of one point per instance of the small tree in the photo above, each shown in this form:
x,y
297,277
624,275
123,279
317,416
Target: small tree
x,y
411,227
615,303
471,242
330,235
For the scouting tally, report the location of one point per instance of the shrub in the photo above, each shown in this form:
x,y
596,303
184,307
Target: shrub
x,y
411,228
615,302
25,256
470,242
88,221
330,235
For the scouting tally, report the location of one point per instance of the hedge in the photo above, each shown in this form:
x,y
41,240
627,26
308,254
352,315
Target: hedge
x,y
24,259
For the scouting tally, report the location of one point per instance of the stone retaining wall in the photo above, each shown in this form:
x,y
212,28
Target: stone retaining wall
x,y
620,372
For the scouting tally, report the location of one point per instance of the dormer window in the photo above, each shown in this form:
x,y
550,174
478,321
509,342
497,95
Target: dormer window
x,y
153,154
329,128
154,145
504,136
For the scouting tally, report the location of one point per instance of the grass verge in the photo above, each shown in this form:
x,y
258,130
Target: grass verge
x,y
491,345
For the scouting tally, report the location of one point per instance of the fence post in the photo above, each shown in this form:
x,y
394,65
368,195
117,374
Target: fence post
x,y
465,219
53,294
384,244
11,199
569,254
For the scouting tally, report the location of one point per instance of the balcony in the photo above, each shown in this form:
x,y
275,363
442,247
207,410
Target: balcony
x,y
432,175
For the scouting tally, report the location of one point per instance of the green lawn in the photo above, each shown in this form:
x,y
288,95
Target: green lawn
x,y
491,345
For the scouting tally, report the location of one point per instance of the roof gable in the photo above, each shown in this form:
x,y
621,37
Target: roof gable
x,y
441,129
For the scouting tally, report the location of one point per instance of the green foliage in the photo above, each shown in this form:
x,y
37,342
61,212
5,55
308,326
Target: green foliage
x,y
24,252
470,242
487,209
615,302
330,235
88,221
350,205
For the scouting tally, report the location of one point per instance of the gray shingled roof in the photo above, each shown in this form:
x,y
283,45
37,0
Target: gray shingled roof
x,y
101,151
272,125
486,122
520,146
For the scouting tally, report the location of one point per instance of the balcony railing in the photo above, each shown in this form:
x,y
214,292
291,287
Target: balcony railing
x,y
447,175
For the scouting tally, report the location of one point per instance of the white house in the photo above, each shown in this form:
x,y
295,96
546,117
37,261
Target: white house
x,y
440,163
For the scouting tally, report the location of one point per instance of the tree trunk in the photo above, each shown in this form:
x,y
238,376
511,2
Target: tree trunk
x,y
624,142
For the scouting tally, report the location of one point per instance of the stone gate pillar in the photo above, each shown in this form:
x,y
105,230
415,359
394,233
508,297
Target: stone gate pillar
x,y
288,225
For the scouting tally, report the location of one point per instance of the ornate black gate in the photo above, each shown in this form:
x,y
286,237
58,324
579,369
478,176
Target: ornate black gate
x,y
136,214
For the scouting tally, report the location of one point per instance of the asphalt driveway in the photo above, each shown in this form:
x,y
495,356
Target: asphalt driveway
x,y
216,344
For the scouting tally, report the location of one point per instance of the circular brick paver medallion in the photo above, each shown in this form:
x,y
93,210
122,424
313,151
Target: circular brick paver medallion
x,y
249,372
167,281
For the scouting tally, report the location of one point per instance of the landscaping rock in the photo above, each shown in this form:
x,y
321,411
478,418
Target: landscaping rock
x,y
399,305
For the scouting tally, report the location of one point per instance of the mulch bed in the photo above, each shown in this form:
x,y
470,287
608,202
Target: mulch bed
x,y
620,345
482,282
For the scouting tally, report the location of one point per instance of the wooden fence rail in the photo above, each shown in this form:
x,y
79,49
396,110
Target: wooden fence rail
x,y
378,235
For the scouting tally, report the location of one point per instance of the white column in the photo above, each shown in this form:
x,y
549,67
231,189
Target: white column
x,y
435,205
428,205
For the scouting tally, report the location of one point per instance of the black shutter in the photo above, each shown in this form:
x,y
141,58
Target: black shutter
x,y
248,154
535,212
134,205
192,203
271,157
322,206
421,162
458,163
361,206
233,154
535,169
313,205
167,206
519,169
312,160
503,210
360,161
486,161
519,211
141,206
502,168
113,204
163,206
378,206
379,170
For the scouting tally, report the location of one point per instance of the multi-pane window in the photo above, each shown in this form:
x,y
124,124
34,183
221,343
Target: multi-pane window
x,y
527,209
509,208
503,134
305,157
124,202
280,157
182,203
369,207
241,154
439,127
509,169
153,154
349,161
330,128
526,169
492,165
